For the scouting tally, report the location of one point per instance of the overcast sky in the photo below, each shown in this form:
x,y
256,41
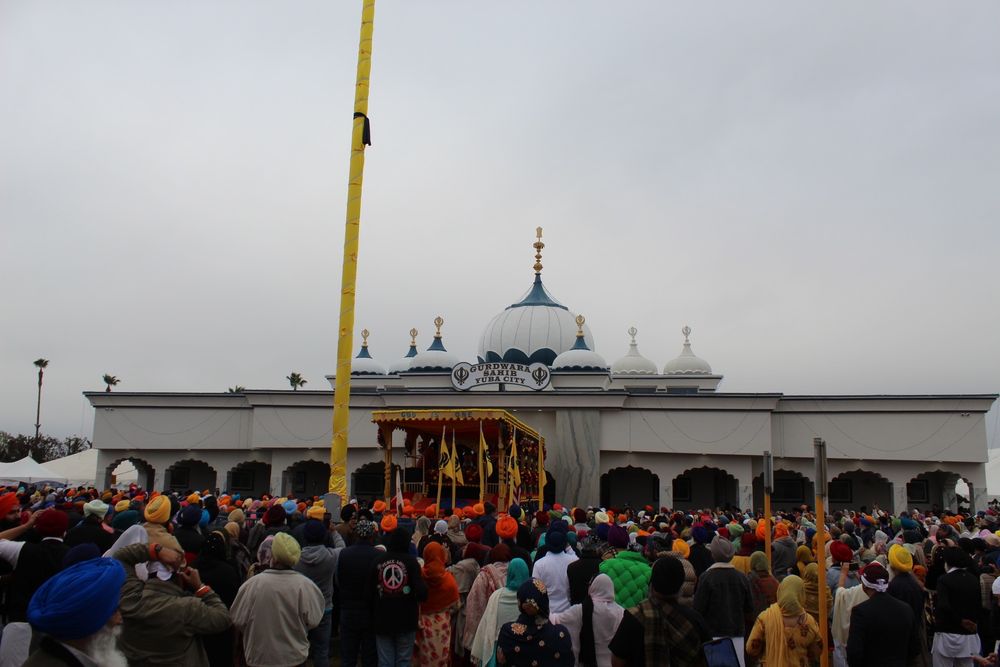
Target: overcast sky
x,y
812,187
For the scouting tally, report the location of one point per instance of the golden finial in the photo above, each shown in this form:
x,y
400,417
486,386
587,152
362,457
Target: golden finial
x,y
438,321
687,332
538,245
580,319
364,337
413,336
632,331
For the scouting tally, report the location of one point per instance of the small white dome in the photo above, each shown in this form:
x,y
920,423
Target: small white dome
x,y
579,357
403,365
687,363
363,364
633,363
434,359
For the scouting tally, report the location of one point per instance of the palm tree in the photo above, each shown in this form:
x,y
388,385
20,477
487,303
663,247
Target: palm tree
x,y
41,364
296,380
111,381
238,389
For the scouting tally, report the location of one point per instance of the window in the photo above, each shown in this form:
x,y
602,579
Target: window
x,y
918,491
682,490
242,480
789,490
180,477
840,491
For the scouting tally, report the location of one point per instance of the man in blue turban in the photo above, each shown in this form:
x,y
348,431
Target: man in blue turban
x,y
77,612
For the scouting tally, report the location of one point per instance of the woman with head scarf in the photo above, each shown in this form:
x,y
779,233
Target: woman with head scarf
x,y
433,642
500,609
531,639
814,592
593,624
490,578
763,585
265,557
803,556
784,634
457,537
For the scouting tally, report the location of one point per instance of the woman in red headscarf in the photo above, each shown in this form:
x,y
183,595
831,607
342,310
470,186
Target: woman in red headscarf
x,y
433,644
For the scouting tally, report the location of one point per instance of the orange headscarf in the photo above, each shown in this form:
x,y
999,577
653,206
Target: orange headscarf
x,y
780,530
442,591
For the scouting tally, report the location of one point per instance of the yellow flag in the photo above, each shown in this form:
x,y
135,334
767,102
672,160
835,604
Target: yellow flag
x,y
513,468
485,452
456,466
445,465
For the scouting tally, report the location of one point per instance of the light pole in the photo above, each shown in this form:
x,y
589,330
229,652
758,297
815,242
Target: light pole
x,y
41,364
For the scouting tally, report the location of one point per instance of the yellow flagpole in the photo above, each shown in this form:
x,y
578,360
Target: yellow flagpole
x,y
444,443
345,340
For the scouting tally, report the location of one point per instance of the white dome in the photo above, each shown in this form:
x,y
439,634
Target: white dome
x,y
687,363
579,357
535,329
403,365
633,363
363,364
434,359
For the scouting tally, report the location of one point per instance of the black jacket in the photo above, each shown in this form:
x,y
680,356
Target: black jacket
x,y
956,598
35,565
399,590
905,588
882,633
354,583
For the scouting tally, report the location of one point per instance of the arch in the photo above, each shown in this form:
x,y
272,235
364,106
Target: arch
x,y
705,487
145,475
368,481
249,478
306,478
628,485
937,490
190,475
859,489
549,494
791,490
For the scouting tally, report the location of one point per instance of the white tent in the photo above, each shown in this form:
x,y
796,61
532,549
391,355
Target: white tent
x,y
993,473
28,470
79,469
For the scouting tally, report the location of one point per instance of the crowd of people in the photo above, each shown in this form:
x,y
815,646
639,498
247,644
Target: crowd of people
x,y
126,577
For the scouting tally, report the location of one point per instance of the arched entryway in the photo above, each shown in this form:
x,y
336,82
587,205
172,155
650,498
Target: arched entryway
x,y
940,490
368,481
190,475
123,472
705,488
249,479
305,479
860,490
635,487
791,491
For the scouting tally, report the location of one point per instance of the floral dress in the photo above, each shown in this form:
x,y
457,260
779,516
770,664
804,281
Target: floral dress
x,y
799,642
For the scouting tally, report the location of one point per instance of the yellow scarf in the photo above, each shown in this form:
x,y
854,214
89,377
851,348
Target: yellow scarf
x,y
789,604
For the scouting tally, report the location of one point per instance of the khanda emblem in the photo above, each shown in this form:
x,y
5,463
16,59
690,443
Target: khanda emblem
x,y
461,374
445,456
540,375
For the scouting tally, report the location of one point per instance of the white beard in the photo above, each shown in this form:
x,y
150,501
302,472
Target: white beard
x,y
103,647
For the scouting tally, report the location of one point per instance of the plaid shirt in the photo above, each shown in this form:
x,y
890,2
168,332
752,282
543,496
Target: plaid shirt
x,y
670,635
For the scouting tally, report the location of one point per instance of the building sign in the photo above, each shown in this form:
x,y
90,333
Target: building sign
x,y
465,376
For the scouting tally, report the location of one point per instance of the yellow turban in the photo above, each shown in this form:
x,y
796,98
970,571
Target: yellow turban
x,y
900,559
285,549
681,547
315,512
194,498
237,516
233,529
122,505
158,510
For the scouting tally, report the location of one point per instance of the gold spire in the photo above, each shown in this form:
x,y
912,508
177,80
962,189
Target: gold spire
x,y
438,321
538,245
632,331
413,336
580,319
364,337
687,332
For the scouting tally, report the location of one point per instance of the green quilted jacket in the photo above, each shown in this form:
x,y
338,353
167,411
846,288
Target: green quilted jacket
x,y
629,572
